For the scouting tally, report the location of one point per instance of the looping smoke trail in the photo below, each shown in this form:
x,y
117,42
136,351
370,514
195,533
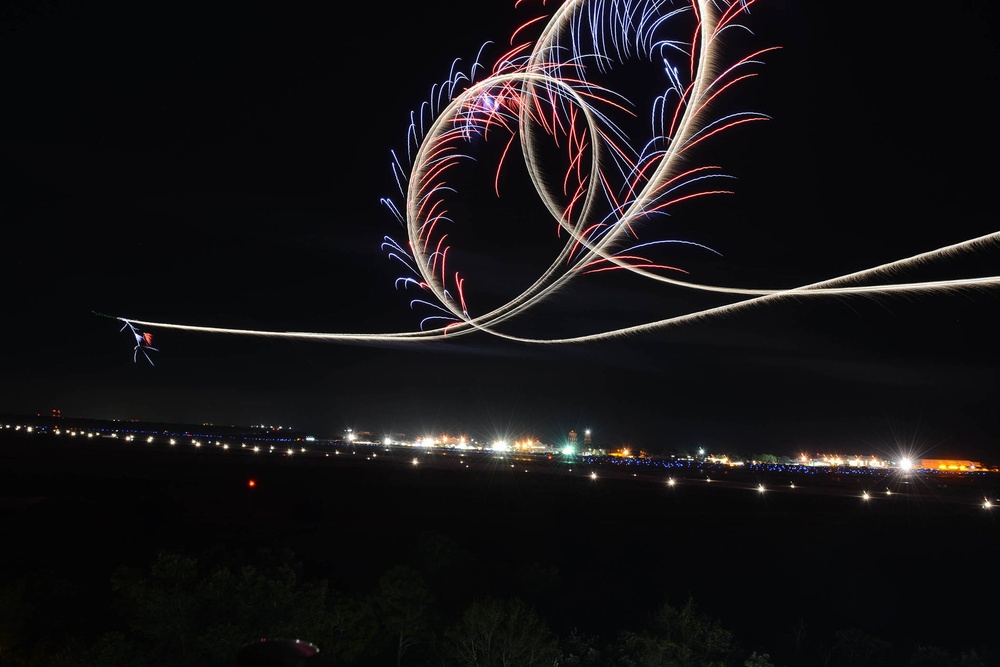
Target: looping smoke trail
x,y
556,96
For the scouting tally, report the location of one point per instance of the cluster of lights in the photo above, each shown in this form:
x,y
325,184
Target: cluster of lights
x,y
708,463
524,445
849,461
129,437
717,463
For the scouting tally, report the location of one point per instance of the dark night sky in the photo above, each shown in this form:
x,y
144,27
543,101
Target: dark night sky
x,y
197,165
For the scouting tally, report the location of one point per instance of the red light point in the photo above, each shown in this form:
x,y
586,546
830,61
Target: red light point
x,y
252,483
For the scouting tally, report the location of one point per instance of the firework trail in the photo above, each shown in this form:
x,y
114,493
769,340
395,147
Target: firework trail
x,y
557,95
143,342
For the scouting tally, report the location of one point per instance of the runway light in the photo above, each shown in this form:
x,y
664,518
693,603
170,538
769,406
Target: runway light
x,y
252,483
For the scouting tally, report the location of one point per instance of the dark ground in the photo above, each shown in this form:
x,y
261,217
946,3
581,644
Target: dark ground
x,y
915,566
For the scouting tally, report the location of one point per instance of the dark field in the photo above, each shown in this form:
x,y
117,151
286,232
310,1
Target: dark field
x,y
917,566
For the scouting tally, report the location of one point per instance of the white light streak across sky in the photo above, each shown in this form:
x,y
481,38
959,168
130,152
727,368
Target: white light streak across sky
x,y
553,93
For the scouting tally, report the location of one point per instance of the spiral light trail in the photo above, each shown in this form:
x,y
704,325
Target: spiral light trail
x,y
555,95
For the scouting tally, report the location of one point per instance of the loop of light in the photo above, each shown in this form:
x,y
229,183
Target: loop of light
x,y
546,94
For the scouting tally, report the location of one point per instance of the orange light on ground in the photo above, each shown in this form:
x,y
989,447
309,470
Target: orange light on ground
x,y
252,483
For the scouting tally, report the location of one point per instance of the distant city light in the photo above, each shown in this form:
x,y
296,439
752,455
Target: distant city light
x,y
516,450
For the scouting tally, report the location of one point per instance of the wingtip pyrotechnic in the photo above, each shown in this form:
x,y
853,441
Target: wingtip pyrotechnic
x,y
143,341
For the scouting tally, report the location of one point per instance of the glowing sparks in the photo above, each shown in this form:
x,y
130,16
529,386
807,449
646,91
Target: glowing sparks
x,y
621,160
143,342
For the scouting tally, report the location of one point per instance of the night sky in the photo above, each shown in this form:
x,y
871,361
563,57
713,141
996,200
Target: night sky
x,y
195,164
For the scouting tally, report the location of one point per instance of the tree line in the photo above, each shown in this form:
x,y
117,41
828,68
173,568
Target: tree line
x,y
192,610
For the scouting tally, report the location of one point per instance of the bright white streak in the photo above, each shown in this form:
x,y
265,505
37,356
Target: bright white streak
x,y
436,153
